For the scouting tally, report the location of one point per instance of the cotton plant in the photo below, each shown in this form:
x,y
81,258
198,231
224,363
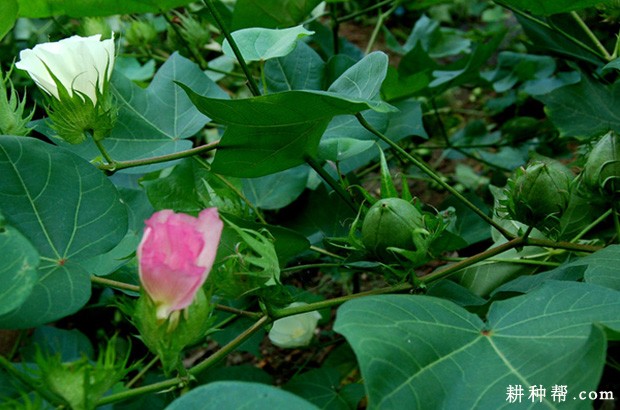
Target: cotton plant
x,y
75,73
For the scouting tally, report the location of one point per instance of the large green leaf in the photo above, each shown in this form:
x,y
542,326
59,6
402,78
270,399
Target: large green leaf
x,y
69,211
8,16
18,268
156,120
271,13
239,395
322,387
584,110
548,7
82,8
261,44
302,69
420,350
277,190
275,132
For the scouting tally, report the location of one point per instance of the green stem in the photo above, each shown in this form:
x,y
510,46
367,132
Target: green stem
x,y
280,313
118,165
233,45
551,27
375,31
231,346
591,35
235,311
104,152
331,182
310,266
142,372
592,225
616,222
179,382
434,177
366,10
114,283
325,252
569,246
509,260
472,260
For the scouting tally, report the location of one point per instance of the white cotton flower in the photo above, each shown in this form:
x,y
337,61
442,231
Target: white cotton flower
x,y
296,330
81,64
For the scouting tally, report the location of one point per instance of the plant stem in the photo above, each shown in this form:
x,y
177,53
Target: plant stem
x,y
310,266
375,31
366,10
434,177
235,311
228,348
569,246
142,372
325,252
118,165
179,382
233,45
592,225
591,35
472,260
104,152
114,283
616,222
280,313
331,182
509,260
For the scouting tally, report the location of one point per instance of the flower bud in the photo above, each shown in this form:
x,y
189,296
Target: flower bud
x,y
392,223
538,195
175,257
601,173
75,72
296,330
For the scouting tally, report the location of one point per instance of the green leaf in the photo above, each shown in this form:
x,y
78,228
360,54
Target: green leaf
x,y
548,7
388,189
436,41
69,211
339,149
420,349
156,120
513,68
226,395
556,34
322,388
271,13
275,132
18,268
8,16
261,44
83,8
59,292
302,69
584,110
70,345
277,190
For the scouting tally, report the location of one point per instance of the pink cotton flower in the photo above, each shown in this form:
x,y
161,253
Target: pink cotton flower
x,y
175,255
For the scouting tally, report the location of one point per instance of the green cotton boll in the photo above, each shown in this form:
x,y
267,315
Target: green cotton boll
x,y
539,194
391,223
601,174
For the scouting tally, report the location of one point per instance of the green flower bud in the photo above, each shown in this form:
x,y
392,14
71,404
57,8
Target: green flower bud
x,y
539,194
601,173
13,119
168,337
82,383
392,223
141,33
